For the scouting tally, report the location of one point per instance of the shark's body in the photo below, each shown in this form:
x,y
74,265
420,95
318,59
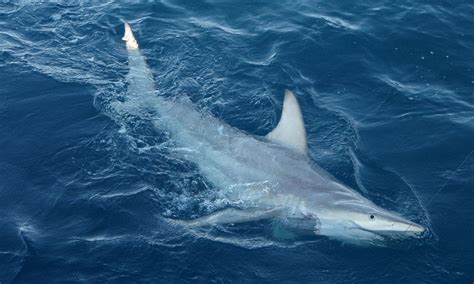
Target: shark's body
x,y
263,177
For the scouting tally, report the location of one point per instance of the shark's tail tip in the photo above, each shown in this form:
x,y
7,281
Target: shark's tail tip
x,y
129,38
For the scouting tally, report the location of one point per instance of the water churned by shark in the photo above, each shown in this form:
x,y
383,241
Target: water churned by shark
x,y
264,178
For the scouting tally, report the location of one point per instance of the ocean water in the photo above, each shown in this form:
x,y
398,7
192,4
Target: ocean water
x,y
386,88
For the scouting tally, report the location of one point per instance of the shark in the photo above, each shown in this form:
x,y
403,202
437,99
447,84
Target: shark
x,y
266,177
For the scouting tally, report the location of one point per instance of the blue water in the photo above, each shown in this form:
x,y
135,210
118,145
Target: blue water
x,y
386,88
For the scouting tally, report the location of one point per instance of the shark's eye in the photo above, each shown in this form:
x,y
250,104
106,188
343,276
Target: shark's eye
x,y
372,217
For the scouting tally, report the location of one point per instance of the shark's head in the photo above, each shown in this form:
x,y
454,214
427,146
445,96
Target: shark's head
x,y
371,217
364,217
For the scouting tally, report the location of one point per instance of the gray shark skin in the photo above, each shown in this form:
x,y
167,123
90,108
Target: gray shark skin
x,y
267,177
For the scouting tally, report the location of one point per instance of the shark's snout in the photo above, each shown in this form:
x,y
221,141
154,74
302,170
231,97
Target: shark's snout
x,y
398,224
401,225
414,228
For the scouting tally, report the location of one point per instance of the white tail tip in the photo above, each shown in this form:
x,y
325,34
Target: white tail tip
x,y
129,38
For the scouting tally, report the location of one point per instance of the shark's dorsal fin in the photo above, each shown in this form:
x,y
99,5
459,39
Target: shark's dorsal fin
x,y
290,130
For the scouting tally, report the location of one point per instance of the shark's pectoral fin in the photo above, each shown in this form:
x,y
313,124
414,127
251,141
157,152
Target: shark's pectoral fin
x,y
232,216
290,130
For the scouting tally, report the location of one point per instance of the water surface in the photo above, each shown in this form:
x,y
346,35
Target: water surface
x,y
86,187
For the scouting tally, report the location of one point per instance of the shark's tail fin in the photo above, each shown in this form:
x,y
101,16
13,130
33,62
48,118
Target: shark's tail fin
x,y
140,78
129,38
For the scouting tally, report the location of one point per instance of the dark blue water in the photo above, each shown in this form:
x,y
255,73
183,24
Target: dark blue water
x,y
386,88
